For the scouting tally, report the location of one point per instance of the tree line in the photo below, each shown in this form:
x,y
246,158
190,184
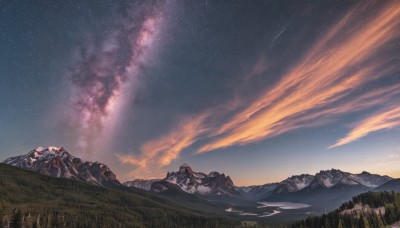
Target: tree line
x,y
383,209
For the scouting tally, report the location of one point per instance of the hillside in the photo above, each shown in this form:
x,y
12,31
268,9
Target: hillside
x,y
56,202
371,209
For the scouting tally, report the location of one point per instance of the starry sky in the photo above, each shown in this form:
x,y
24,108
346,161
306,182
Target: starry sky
x,y
259,90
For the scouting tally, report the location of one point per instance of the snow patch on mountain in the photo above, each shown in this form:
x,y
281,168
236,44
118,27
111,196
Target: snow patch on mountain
x,y
141,184
333,177
370,180
57,162
198,183
294,183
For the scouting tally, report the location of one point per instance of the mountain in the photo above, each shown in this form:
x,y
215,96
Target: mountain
x,y
208,193
189,181
193,182
329,188
392,185
332,184
141,184
57,162
46,201
335,177
293,184
370,180
331,178
257,191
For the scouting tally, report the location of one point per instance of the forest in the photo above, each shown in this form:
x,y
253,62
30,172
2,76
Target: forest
x,y
29,199
371,209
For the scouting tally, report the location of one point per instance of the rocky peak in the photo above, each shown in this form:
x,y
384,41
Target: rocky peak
x,y
57,162
185,169
330,178
294,183
196,182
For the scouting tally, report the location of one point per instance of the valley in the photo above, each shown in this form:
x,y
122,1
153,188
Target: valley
x,y
213,194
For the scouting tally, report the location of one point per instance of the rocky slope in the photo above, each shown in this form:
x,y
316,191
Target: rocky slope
x,y
191,182
141,183
57,162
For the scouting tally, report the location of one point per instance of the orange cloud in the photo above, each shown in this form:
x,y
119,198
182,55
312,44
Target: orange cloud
x,y
386,119
129,159
329,72
323,85
162,151
169,146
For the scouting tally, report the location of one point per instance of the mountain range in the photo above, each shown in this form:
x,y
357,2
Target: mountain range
x,y
325,190
331,182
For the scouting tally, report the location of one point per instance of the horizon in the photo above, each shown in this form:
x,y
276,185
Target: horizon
x,y
258,90
226,174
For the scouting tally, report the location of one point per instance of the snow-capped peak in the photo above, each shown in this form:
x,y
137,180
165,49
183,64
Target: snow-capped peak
x,y
196,182
333,177
49,148
56,161
294,183
370,180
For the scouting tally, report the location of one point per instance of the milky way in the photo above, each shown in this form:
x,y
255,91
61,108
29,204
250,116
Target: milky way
x,y
106,71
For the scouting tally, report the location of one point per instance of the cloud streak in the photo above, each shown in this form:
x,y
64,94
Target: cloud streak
x,y
325,84
328,73
383,120
163,150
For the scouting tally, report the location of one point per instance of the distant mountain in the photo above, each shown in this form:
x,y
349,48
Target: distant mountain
x,y
141,184
329,179
257,191
191,182
334,184
196,182
329,188
392,185
165,186
293,184
370,180
213,192
335,177
57,162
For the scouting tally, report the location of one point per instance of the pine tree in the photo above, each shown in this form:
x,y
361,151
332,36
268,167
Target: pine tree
x,y
1,212
380,221
364,221
49,221
17,220
340,223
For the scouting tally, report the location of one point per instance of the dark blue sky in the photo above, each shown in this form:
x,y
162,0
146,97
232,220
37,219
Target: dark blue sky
x,y
259,90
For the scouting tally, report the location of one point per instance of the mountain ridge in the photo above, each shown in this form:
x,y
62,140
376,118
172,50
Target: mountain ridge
x,y
58,162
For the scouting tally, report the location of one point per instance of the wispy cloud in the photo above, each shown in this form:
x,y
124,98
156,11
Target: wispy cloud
x,y
336,66
163,150
322,86
385,119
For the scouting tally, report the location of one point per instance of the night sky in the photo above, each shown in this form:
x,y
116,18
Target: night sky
x,y
259,90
